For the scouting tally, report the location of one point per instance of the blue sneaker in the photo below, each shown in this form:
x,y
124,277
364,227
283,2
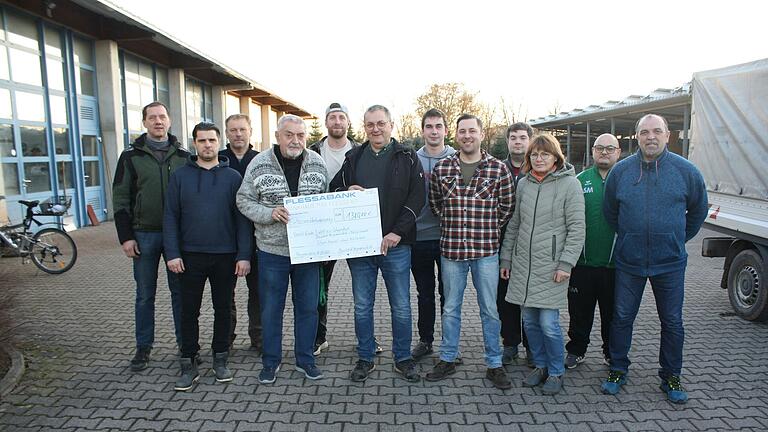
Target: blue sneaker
x,y
674,390
310,371
268,375
613,384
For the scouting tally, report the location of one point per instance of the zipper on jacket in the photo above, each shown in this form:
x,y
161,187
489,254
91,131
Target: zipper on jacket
x,y
554,245
530,242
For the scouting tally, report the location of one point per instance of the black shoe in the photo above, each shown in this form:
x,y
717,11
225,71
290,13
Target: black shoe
x,y
441,371
421,349
361,371
498,376
140,361
407,368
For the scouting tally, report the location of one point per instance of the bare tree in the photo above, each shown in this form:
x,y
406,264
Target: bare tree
x,y
450,98
407,127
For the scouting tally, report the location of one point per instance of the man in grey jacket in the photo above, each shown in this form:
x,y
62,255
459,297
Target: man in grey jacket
x,y
287,169
425,254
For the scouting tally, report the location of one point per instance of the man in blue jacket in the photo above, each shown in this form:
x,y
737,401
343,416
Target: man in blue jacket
x,y
656,201
205,238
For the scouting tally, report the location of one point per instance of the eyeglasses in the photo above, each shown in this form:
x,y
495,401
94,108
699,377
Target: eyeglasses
x,y
380,124
542,156
608,149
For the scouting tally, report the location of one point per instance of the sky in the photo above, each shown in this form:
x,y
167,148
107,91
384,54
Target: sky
x,y
537,56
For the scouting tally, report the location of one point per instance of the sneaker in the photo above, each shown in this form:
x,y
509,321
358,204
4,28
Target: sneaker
x,y
458,360
378,349
140,361
498,376
572,360
320,347
613,383
407,368
189,374
220,369
510,355
268,374
310,371
421,349
552,385
536,377
361,371
441,371
674,390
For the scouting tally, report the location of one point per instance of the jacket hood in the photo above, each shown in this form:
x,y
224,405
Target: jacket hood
x,y
447,151
223,162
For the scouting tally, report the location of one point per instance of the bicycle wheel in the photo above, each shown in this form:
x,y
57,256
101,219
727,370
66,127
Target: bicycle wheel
x,y
53,251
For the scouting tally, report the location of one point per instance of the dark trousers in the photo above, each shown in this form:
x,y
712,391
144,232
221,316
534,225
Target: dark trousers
x,y
425,255
254,308
589,286
326,271
512,331
219,269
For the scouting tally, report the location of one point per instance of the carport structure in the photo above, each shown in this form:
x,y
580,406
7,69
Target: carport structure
x,y
577,129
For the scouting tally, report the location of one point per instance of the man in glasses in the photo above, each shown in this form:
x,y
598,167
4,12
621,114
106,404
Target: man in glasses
x,y
395,170
656,201
592,279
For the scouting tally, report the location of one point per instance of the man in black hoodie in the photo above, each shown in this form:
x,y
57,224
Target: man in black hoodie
x,y
240,152
205,238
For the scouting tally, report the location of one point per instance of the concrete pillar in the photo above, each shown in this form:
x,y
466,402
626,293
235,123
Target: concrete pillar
x,y
112,139
219,106
586,151
266,135
568,145
178,99
613,126
686,127
245,106
280,114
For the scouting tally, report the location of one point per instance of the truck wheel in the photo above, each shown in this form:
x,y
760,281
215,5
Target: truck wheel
x,y
747,288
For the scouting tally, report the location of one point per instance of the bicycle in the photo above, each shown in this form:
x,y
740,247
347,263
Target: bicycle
x,y
51,249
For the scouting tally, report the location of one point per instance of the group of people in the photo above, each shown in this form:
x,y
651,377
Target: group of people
x,y
536,238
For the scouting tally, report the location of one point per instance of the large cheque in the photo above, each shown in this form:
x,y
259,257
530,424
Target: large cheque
x,y
332,226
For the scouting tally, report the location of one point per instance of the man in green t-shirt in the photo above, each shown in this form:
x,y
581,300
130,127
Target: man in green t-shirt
x,y
592,280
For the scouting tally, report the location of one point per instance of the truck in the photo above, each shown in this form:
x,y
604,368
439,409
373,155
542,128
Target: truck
x,y
729,144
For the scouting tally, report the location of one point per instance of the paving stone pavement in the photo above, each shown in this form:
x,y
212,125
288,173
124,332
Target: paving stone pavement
x,y
76,331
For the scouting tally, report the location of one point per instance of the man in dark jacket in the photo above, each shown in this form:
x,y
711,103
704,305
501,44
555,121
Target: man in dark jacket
x,y
383,163
656,201
138,193
205,238
240,152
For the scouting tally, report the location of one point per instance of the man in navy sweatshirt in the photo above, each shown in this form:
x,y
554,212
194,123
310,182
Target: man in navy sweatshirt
x,y
656,201
205,238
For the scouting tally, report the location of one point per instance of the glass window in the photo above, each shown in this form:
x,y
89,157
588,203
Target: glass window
x,y
164,97
22,30
58,109
10,179
5,103
60,141
131,67
30,106
6,141
87,82
147,93
134,120
132,93
92,173
55,74
90,145
162,78
37,177
52,42
25,67
83,52
65,175
4,74
33,142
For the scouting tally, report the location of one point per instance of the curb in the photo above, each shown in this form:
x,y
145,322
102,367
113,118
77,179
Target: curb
x,y
14,374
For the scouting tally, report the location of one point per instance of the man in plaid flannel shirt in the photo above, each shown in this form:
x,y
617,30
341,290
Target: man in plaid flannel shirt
x,y
473,195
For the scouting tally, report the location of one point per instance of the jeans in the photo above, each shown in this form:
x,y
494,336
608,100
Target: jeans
x,y
274,272
219,270
326,270
668,289
395,268
424,256
589,286
485,274
145,274
512,331
254,309
545,339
